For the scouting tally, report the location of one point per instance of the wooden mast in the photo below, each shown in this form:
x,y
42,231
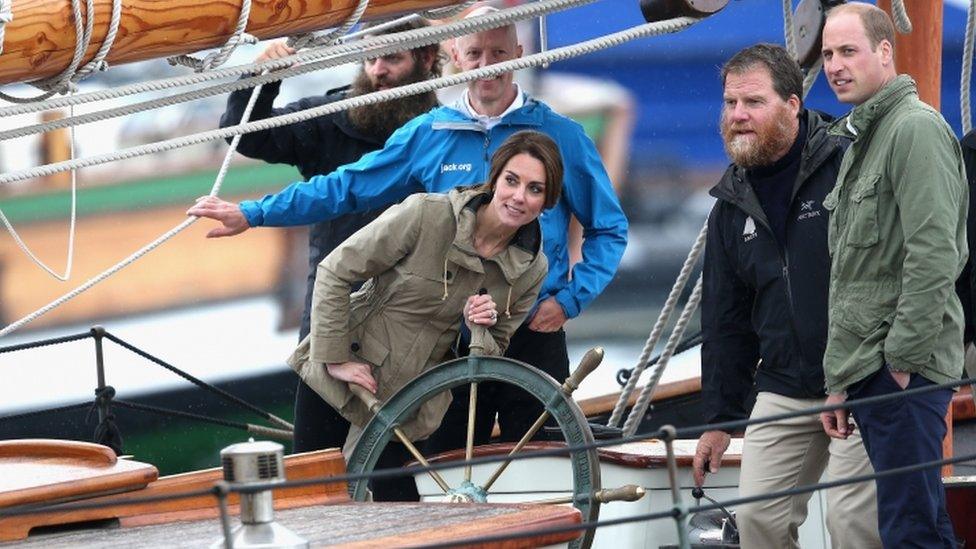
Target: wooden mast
x,y
919,54
40,40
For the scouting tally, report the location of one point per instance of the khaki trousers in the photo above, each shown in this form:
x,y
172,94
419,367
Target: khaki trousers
x,y
796,452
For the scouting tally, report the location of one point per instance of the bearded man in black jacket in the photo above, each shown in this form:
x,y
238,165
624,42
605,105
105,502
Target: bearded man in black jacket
x,y
319,146
764,307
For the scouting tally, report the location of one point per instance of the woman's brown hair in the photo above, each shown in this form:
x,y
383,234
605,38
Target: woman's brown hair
x,y
537,145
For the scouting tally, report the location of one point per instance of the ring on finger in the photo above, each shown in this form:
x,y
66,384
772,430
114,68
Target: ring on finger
x,y
494,316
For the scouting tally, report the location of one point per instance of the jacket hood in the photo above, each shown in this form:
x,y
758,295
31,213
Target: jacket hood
x,y
532,113
732,187
517,258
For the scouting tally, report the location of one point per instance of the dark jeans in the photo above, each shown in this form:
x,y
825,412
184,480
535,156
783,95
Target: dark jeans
x,y
319,426
517,410
898,433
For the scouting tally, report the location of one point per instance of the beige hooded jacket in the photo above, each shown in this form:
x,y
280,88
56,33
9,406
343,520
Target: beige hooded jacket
x,y
420,267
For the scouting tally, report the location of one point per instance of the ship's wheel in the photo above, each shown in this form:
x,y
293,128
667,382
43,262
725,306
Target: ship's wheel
x,y
557,400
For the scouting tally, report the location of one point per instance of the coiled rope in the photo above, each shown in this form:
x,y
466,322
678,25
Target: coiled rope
x,y
65,82
219,57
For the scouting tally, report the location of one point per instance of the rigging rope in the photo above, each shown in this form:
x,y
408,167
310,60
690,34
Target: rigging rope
x,y
65,82
965,80
145,249
900,15
662,320
69,261
304,40
566,52
292,65
640,407
219,57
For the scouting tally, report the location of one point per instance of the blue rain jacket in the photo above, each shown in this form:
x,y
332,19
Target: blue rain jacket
x,y
444,149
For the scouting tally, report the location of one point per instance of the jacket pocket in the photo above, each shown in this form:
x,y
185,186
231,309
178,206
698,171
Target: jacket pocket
x,y
370,349
860,321
863,218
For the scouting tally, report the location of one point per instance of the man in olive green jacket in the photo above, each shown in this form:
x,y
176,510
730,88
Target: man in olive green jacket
x,y
897,239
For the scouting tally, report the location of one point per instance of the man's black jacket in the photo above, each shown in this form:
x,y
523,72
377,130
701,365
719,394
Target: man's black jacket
x,y
966,284
316,146
763,301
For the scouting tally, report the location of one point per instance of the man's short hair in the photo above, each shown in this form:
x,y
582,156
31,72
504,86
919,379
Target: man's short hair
x,y
418,53
877,23
783,70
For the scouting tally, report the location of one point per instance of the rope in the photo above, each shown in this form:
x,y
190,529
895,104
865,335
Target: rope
x,y
689,342
303,40
219,57
448,11
45,342
811,77
582,48
662,320
789,32
902,22
6,16
37,413
220,89
180,414
640,407
65,82
967,70
292,65
200,383
69,261
147,248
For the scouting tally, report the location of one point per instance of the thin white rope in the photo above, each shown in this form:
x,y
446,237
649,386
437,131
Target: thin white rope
x,y
219,57
900,15
640,407
98,62
965,80
218,182
6,16
294,64
69,261
566,52
662,320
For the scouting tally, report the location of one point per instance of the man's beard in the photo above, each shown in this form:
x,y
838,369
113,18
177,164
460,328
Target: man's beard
x,y
767,145
379,120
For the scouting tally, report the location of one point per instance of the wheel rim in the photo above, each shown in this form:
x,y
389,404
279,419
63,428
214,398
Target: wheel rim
x,y
446,376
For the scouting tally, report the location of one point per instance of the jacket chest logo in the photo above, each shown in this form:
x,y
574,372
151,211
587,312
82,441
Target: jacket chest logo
x,y
749,231
453,167
808,209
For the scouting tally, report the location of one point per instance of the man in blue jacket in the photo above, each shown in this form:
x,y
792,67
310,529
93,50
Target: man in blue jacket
x,y
450,147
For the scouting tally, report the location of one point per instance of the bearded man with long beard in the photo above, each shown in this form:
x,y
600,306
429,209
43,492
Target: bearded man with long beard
x,y
319,146
764,307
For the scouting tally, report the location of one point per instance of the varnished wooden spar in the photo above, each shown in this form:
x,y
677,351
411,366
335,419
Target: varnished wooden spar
x,y
41,38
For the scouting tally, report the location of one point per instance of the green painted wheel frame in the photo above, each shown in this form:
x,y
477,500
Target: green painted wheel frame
x,y
477,369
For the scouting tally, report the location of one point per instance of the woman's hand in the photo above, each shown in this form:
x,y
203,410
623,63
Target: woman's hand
x,y
353,372
480,310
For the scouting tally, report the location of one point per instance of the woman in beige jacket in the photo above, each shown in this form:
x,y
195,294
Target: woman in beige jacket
x,y
473,254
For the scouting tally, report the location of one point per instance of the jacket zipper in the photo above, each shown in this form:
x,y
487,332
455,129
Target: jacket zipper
x,y
784,262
